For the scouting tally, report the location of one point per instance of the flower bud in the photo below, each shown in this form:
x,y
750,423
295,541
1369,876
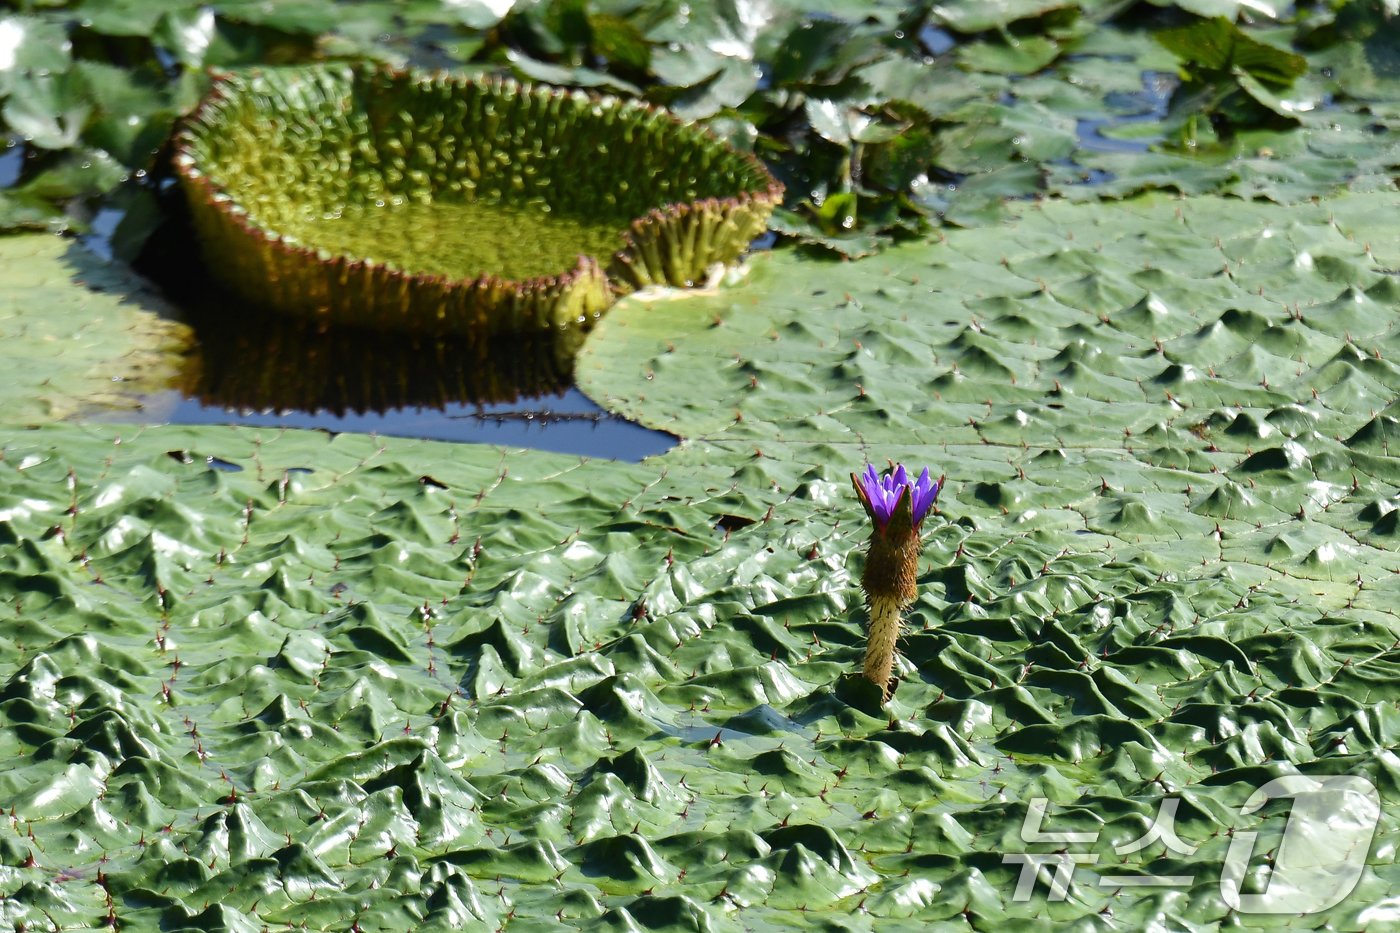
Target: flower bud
x,y
897,508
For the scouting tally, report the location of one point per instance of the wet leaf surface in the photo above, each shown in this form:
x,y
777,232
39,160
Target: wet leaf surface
x,y
276,679
82,337
440,686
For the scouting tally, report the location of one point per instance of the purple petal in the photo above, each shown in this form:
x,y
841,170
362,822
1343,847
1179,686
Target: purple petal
x,y
923,495
884,492
874,488
917,495
875,491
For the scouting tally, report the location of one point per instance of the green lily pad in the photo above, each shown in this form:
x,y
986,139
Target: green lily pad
x,y
31,45
47,109
275,679
81,336
969,16
1218,45
1015,56
476,682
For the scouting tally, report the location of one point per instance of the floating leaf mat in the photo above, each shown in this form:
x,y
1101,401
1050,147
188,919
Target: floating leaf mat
x,y
287,680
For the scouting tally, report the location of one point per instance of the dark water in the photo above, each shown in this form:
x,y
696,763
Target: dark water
x,y
1148,105
569,423
254,367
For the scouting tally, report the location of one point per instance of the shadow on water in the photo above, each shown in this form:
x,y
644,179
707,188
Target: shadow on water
x,y
255,367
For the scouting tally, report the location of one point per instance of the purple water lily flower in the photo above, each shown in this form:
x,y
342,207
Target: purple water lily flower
x,y
897,506
881,494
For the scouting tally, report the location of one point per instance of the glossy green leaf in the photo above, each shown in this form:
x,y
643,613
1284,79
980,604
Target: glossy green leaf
x,y
30,46
81,336
971,16
1014,56
47,109
263,679
1218,45
614,693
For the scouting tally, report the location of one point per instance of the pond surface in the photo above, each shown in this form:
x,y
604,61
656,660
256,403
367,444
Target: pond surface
x,y
250,366
569,423
253,367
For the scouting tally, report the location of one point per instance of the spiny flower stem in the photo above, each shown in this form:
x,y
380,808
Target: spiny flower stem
x,y
879,646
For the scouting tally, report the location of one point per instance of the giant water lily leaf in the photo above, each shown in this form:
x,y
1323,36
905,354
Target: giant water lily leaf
x,y
259,679
469,682
1082,264
80,336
